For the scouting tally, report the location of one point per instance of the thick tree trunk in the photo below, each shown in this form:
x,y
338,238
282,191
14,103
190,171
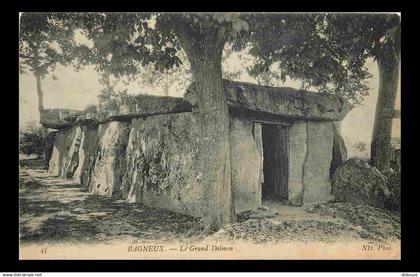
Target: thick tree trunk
x,y
40,93
215,151
388,64
204,45
204,51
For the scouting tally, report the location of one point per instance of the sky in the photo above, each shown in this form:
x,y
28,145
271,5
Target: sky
x,y
77,90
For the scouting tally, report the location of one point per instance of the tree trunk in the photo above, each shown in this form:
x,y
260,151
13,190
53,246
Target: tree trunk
x,y
40,93
204,52
388,65
214,142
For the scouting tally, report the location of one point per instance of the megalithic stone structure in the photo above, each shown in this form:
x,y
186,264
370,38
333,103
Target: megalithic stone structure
x,y
145,148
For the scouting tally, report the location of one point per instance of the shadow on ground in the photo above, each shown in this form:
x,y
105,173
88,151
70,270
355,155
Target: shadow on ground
x,y
60,210
57,210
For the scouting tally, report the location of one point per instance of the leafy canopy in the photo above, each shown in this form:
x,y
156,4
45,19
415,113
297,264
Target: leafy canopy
x,y
44,42
327,51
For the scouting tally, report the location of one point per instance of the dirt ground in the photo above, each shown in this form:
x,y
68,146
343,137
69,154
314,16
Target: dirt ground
x,y
57,210
328,223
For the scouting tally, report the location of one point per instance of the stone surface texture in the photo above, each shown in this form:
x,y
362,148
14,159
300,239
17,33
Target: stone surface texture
x,y
136,105
144,148
316,168
110,164
339,151
64,158
87,152
357,182
246,163
71,154
49,147
162,166
282,101
297,154
58,118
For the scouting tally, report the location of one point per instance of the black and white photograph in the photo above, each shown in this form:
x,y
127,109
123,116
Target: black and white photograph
x,y
212,135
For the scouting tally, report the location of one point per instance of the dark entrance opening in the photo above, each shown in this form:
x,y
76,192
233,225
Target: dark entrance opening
x,y
275,161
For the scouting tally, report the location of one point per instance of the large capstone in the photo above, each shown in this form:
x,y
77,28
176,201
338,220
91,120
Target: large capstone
x,y
280,101
58,118
126,107
357,182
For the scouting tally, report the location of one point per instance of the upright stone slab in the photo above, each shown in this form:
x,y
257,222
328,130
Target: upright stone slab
x,y
64,157
162,164
246,163
316,175
109,165
59,147
49,147
297,154
339,151
86,154
71,155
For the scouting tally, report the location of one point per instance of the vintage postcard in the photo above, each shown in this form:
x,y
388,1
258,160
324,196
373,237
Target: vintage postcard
x,y
209,136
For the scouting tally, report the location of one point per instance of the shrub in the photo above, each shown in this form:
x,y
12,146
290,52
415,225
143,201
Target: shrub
x,y
32,140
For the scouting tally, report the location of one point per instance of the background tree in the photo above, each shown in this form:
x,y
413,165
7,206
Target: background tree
x,y
299,47
43,43
181,76
175,76
146,75
329,52
377,36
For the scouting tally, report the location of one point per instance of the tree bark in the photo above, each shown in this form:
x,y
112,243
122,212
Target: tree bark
x,y
40,93
204,51
388,65
214,143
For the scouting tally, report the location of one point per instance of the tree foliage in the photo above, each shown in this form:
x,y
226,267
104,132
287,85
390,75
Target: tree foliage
x,y
44,42
32,140
326,51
